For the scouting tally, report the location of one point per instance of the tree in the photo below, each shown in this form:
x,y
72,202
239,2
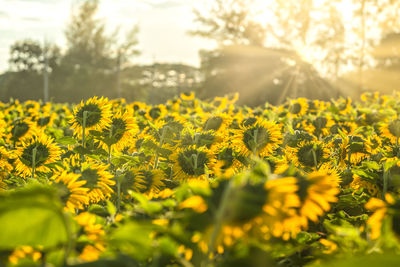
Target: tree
x,y
264,65
93,59
24,80
261,75
157,83
229,22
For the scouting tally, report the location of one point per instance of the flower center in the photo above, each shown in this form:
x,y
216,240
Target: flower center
x,y
256,138
93,115
306,155
42,154
20,129
192,162
91,177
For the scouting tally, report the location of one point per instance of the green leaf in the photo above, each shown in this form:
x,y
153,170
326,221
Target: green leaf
x,y
150,207
98,210
168,246
111,208
66,140
375,260
32,216
133,239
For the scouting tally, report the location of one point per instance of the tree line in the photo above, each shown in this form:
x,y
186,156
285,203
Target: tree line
x,y
264,61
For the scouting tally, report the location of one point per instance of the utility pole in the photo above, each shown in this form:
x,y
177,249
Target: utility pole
x,y
119,93
45,74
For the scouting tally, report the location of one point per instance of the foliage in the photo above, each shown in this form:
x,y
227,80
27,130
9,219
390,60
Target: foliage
x,y
200,183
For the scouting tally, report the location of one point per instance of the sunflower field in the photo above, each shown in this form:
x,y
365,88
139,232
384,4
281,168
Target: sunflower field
x,y
200,183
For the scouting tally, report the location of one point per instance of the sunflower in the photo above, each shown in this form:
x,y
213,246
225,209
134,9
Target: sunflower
x,y
359,183
298,107
316,191
35,154
315,106
373,144
218,122
149,180
192,162
5,156
45,120
370,97
73,194
98,113
279,218
199,138
24,252
98,180
322,124
222,103
309,154
380,209
129,181
156,112
22,129
95,236
391,130
344,106
136,106
120,132
353,150
258,137
187,96
3,185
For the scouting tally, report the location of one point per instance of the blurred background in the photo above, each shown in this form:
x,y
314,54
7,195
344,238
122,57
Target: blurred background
x,y
152,50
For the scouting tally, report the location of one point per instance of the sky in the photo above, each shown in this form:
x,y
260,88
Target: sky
x,y
163,26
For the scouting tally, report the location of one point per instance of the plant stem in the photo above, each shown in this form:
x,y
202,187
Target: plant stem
x,y
315,159
109,154
385,183
85,113
118,195
219,219
159,147
70,240
34,151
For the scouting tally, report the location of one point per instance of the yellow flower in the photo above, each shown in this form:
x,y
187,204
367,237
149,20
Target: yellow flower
x,y
380,208
373,144
187,252
94,233
149,180
98,113
330,246
257,137
35,154
119,134
391,130
24,252
192,163
156,113
21,130
72,190
317,190
196,203
280,219
344,106
98,180
309,153
298,107
187,96
359,183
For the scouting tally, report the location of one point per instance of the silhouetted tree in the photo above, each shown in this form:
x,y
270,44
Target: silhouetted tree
x,y
24,80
